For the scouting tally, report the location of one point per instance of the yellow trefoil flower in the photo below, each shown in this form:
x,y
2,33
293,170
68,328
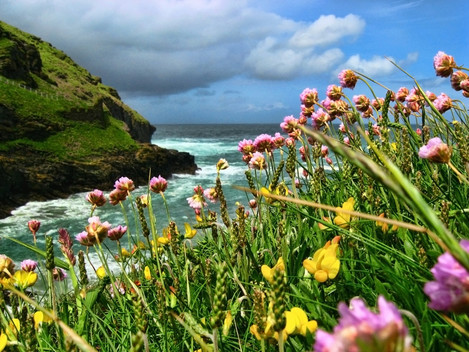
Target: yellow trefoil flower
x,y
147,273
39,318
3,341
190,232
165,239
298,323
342,219
101,272
324,264
227,323
268,272
24,279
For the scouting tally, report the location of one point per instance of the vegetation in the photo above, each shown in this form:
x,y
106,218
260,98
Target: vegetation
x,y
366,210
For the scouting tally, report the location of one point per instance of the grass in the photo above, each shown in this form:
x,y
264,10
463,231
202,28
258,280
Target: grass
x,y
387,213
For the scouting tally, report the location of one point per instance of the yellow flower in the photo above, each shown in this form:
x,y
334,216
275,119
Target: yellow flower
x,y
101,272
165,239
147,273
24,279
190,232
343,219
3,341
227,323
125,253
322,226
298,323
40,318
324,264
268,272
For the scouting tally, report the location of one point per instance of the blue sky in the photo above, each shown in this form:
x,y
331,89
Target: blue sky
x,y
241,61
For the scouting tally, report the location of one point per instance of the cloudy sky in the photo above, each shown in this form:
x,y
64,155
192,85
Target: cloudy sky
x,y
244,61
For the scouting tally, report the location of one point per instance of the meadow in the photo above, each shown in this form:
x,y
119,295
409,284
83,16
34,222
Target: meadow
x,y
351,239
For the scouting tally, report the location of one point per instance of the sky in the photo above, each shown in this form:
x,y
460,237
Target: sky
x,y
245,61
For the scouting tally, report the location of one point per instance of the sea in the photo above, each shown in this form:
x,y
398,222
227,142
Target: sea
x,y
208,143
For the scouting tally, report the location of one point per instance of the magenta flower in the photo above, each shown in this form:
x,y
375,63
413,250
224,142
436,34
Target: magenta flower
x,y
401,94
443,64
124,184
435,151
334,92
278,140
84,239
257,161
116,233
450,290
96,198
264,143
360,329
246,147
443,103
158,184
362,103
28,265
348,79
95,232
320,118
289,124
456,79
309,97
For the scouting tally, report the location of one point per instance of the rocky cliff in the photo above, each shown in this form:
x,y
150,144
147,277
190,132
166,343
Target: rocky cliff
x,y
63,131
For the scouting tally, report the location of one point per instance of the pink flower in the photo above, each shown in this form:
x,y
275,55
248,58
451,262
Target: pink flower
x,y
117,196
418,131
347,141
376,130
211,194
257,161
324,151
116,233
124,184
443,64
278,140
334,92
246,147
309,97
431,96
59,274
289,124
456,79
443,103
264,143
401,94
85,240
435,151
197,201
253,204
320,118
28,265
158,184
377,103
96,231
329,161
362,103
450,290
96,198
348,79
34,226
66,245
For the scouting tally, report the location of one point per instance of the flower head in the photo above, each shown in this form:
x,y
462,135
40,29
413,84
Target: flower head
x,y
117,232
334,92
443,64
456,79
28,265
289,124
402,93
222,164
361,330
158,184
324,264
348,79
59,274
116,196
343,219
34,226
25,279
189,231
257,161
435,151
443,103
361,102
264,143
309,97
124,184
246,147
96,198
450,290
197,201
268,272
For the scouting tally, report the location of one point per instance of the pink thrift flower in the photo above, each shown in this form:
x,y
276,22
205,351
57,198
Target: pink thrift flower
x,y
435,151
443,64
324,151
348,79
211,194
418,131
96,198
362,103
28,265
246,147
450,290
456,79
320,118
334,92
431,96
401,94
360,329
289,124
257,161
253,204
197,201
342,128
263,143
465,85
347,141
116,196
158,184
117,232
377,103
34,226
443,103
124,184
368,112
329,161
97,229
309,97
85,240
302,153
278,140
59,274
376,130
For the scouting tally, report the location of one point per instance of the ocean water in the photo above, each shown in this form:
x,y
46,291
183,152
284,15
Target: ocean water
x,y
208,143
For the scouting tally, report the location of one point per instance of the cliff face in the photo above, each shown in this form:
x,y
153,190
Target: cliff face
x,y
62,131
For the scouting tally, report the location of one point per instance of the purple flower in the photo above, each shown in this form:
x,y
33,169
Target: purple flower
x,y
158,184
320,118
360,329
116,233
450,290
28,265
96,198
435,151
348,79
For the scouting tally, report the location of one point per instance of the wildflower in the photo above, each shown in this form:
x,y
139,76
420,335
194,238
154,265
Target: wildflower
x,y
329,161
84,239
119,285
147,273
253,203
362,103
257,161
347,140
190,232
309,97
246,147
401,94
343,219
124,184
431,96
3,341
59,274
268,272
278,140
348,79
158,184
39,318
96,198
28,265
211,194
116,196
165,239
289,124
334,92
34,227
443,103
227,323
320,118
324,264
116,233
125,253
443,64
377,103
450,290
25,279
435,151
101,272
360,329
97,229
222,164
264,143
413,100
456,79
7,267
197,201
324,151
298,323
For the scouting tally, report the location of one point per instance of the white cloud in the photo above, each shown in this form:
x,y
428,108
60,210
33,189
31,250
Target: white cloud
x,y
376,66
